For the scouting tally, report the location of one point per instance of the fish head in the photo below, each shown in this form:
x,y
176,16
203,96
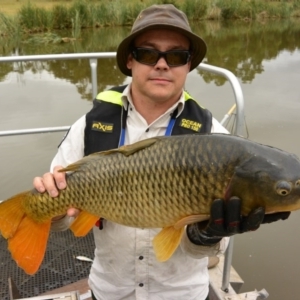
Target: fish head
x,y
270,181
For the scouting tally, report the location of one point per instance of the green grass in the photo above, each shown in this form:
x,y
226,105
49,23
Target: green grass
x,y
44,15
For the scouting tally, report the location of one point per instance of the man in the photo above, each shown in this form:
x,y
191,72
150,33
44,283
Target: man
x,y
159,53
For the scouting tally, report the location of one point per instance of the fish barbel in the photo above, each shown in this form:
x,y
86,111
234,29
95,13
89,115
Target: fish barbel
x,y
162,182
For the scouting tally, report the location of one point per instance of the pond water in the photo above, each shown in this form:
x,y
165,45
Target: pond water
x,y
265,56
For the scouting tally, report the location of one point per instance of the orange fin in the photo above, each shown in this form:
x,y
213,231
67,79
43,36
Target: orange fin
x,y
83,223
190,220
166,242
28,245
11,214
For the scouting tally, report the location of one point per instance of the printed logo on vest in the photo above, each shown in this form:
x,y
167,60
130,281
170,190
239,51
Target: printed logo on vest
x,y
189,124
103,127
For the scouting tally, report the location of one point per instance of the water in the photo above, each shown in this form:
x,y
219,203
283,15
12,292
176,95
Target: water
x,y
264,56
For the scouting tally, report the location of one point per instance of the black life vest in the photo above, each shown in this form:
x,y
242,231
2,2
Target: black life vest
x,y
105,120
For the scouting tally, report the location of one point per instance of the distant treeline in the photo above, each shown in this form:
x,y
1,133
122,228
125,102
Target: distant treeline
x,y
90,14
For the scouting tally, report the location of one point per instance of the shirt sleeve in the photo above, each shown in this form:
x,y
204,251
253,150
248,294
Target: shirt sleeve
x,y
62,224
199,252
70,150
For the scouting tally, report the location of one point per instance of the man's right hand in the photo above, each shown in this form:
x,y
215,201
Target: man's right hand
x,y
53,183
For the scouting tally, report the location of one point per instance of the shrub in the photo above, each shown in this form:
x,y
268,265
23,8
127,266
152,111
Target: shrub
x,y
32,17
195,9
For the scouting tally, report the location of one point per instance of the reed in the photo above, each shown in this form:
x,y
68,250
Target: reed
x,y
79,14
34,18
76,25
81,8
9,26
195,9
61,18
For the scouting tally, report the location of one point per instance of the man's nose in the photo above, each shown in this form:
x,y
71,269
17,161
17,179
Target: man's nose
x,y
161,63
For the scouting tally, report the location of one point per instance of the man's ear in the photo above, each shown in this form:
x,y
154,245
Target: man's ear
x,y
189,64
129,61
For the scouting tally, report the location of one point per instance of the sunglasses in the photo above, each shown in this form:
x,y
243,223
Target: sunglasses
x,y
174,58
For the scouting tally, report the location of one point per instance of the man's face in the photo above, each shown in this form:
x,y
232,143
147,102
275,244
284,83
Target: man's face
x,y
159,83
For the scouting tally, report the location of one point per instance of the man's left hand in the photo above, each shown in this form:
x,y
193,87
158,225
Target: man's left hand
x,y
226,220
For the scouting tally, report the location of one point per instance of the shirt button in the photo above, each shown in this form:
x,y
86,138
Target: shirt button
x,y
147,130
141,257
141,284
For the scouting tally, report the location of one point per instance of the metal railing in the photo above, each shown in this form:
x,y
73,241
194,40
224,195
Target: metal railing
x,y
93,59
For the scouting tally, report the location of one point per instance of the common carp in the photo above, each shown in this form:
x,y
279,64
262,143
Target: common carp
x,y
162,182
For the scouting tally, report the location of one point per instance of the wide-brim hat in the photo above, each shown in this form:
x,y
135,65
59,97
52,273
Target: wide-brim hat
x,y
165,16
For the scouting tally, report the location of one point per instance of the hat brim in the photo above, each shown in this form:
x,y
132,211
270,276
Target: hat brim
x,y
198,46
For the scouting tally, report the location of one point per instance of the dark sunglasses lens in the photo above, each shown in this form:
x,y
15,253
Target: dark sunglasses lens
x,y
150,56
177,58
147,56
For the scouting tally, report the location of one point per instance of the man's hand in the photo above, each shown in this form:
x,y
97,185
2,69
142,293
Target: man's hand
x,y
53,183
226,220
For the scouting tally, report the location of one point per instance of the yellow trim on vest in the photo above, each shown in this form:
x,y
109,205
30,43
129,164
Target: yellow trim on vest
x,y
116,97
187,96
110,96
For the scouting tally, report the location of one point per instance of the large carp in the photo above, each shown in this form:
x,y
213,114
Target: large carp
x,y
162,182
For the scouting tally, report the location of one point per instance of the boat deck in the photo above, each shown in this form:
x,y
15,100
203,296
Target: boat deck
x,y
60,267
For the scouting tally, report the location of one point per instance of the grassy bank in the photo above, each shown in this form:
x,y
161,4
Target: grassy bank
x,y
22,16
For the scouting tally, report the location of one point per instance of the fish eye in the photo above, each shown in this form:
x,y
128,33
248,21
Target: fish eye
x,y
283,188
297,184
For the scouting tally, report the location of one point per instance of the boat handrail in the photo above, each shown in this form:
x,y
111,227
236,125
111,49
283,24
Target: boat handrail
x,y
93,59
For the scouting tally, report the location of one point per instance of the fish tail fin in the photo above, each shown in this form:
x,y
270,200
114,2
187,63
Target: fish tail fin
x,y
11,215
166,242
83,223
28,245
27,239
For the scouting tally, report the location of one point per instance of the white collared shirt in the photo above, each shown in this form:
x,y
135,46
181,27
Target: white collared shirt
x,y
125,266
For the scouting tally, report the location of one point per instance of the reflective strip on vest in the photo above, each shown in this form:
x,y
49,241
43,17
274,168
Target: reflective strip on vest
x,y
116,97
110,96
187,96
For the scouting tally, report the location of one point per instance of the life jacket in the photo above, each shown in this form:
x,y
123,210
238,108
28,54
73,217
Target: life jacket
x,y
106,119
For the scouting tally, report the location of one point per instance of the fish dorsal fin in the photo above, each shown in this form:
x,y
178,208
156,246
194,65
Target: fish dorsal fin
x,y
132,148
83,223
166,242
126,150
190,220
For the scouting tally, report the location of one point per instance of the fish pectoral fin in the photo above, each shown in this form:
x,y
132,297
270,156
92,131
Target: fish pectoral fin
x,y
190,220
28,245
128,150
11,214
166,242
83,223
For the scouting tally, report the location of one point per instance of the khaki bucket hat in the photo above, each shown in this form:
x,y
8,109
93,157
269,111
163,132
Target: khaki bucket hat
x,y
165,16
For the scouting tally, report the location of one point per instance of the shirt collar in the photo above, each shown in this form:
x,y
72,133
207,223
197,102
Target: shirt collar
x,y
127,100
